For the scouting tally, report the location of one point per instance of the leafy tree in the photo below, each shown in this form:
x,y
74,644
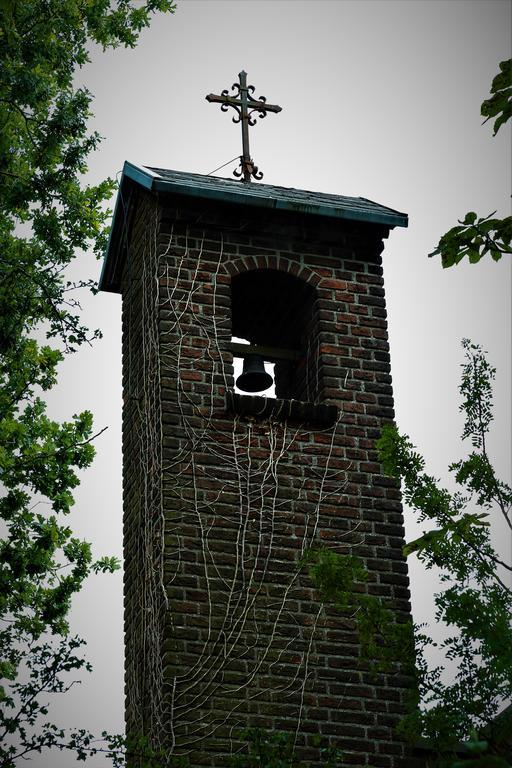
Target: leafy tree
x,y
46,216
476,236
461,718
275,749
383,640
475,602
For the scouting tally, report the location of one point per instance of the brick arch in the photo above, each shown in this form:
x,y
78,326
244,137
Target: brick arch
x,y
275,307
278,263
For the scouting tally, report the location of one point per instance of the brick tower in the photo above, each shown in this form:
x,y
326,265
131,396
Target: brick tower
x,y
225,492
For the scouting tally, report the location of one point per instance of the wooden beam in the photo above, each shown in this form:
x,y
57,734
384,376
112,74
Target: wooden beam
x,y
270,354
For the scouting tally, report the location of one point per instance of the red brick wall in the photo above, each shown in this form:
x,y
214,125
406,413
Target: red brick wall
x,y
145,602
223,630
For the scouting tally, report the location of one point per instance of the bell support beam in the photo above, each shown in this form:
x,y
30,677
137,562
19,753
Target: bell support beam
x,y
270,354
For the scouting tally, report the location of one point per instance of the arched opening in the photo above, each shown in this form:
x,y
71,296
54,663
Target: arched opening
x,y
276,313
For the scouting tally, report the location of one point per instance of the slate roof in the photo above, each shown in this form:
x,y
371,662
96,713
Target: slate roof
x,y
264,195
236,192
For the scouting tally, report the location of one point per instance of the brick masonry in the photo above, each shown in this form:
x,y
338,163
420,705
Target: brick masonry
x,y
222,498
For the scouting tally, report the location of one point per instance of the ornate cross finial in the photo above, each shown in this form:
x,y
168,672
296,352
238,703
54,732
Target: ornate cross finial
x,y
244,105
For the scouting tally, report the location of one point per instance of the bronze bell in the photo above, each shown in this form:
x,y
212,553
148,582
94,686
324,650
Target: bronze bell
x,y
254,377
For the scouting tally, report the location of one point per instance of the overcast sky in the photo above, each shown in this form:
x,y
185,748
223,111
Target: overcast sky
x,y
380,100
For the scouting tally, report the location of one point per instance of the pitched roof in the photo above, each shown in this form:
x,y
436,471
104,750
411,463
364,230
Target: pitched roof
x,y
236,192
264,195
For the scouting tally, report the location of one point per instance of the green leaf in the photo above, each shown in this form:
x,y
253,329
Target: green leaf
x,y
48,214
476,237
500,103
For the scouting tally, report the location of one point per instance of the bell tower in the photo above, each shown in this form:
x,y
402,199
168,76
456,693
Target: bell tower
x,y
225,490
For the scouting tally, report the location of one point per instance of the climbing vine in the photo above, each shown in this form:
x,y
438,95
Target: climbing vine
x,y
229,561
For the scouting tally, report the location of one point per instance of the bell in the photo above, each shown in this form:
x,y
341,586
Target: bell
x,y
254,377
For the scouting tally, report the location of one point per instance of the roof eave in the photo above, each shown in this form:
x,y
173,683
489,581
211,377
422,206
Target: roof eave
x,y
107,281
151,181
146,179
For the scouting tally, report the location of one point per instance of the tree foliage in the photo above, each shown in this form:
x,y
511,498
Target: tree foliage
x,y
499,105
458,707
476,236
339,581
475,602
265,749
47,215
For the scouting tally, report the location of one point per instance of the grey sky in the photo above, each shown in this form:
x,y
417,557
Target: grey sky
x,y
380,99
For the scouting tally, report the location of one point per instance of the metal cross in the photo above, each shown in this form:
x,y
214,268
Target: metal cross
x,y
244,105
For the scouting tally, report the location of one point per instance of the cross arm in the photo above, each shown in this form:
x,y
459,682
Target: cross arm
x,y
252,104
213,97
262,106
